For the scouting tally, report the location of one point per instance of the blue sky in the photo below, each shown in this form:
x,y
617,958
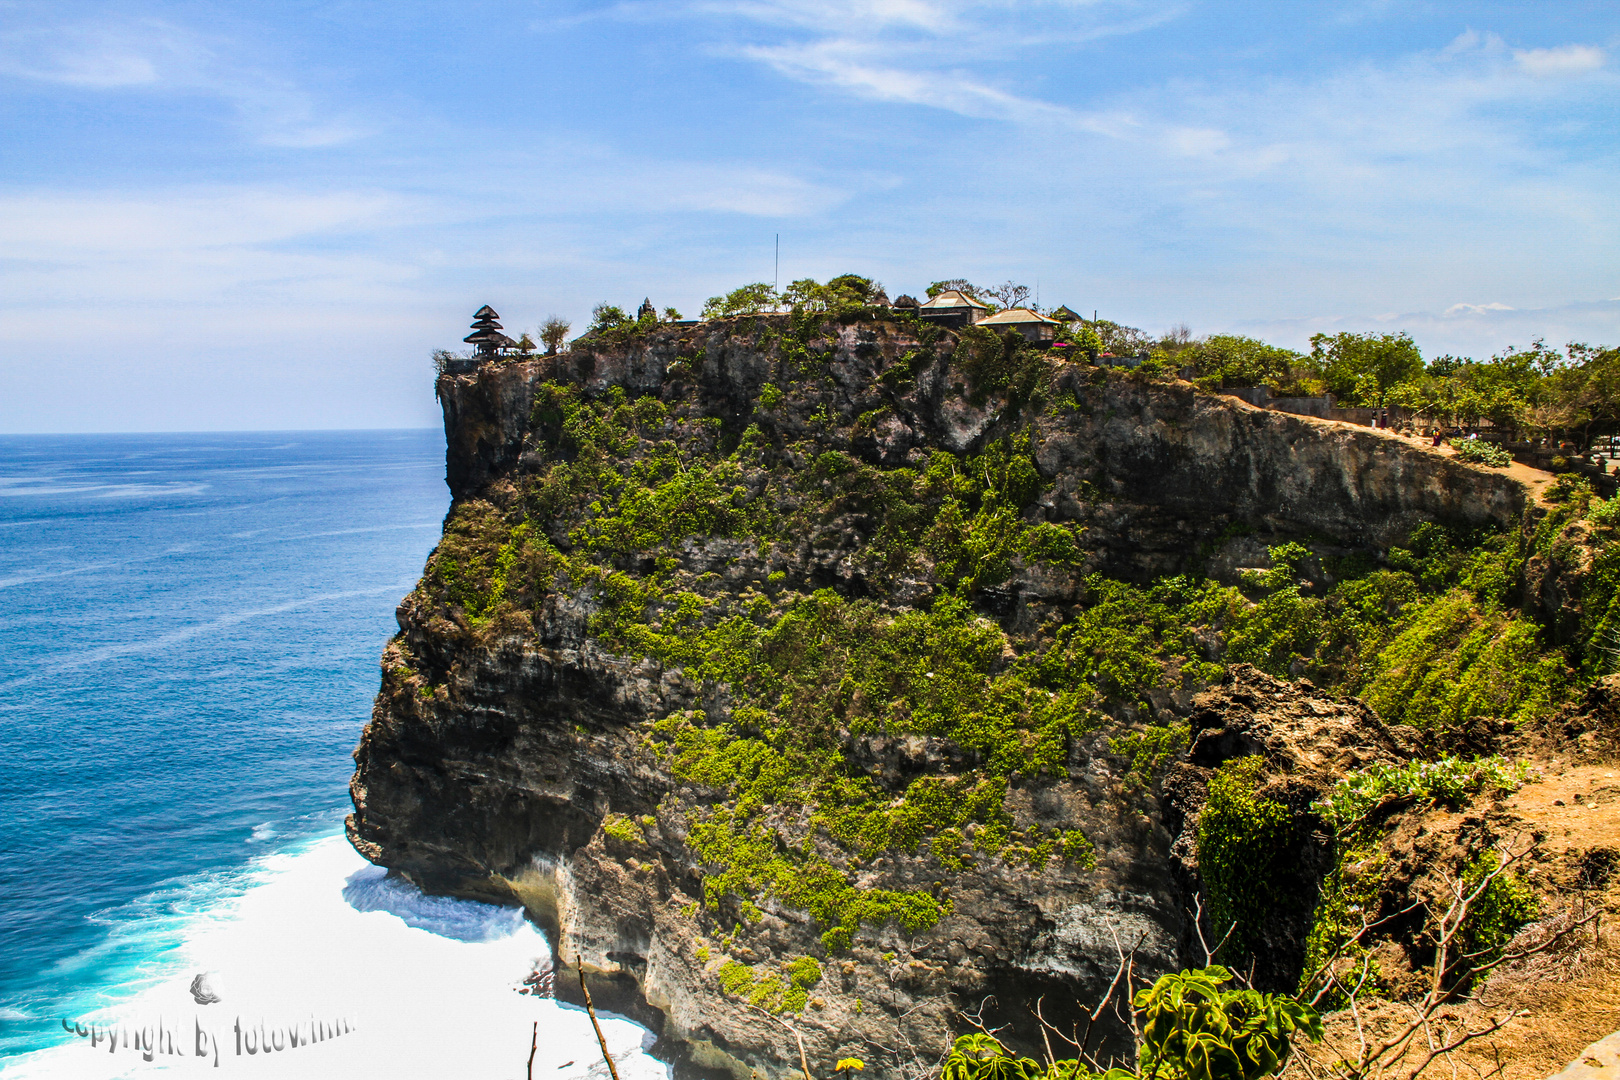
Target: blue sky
x,y
266,215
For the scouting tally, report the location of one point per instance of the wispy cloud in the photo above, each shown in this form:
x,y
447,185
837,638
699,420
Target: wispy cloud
x,y
157,56
1563,60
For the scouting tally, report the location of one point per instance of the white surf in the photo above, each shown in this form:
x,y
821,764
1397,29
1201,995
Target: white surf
x,y
344,973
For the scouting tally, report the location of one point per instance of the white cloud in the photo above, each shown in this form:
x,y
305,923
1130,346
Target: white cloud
x,y
155,56
856,67
1563,60
98,57
117,225
1473,309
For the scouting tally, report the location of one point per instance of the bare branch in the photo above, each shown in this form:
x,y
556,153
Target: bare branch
x,y
591,1010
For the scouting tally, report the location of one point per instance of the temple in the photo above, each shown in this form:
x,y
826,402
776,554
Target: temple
x,y
486,336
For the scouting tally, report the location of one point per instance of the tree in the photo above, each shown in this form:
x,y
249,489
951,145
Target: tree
x,y
747,300
962,285
1581,399
607,316
1345,358
1121,340
1008,294
847,292
525,344
552,332
862,290
1232,360
1088,342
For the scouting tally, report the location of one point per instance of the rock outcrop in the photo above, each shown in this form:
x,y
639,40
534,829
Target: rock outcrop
x,y
1308,741
521,750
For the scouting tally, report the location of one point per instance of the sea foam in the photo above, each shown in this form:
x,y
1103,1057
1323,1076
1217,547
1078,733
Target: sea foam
x,y
364,973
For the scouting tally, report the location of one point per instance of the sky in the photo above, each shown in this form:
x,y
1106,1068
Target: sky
x,y
267,215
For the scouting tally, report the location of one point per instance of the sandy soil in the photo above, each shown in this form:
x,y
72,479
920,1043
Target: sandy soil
x,y
1565,1000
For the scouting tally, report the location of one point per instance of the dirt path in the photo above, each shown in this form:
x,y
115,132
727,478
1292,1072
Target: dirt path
x,y
1534,480
1574,1000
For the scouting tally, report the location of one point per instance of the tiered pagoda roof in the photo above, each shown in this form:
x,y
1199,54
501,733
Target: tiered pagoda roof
x,y
486,334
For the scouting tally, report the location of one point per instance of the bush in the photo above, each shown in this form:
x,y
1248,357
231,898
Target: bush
x,y
1479,452
1242,840
1568,487
1506,905
1604,512
1191,1029
1455,659
1448,780
607,316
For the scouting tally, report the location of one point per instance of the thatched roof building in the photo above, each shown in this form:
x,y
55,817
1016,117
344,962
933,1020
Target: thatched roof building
x,y
486,336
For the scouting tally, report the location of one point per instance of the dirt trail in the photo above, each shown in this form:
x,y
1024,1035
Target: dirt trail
x,y
1573,999
1536,480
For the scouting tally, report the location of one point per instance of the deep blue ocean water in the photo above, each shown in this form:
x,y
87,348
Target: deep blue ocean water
x,y
190,628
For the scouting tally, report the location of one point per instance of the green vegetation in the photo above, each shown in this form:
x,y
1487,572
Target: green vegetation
x,y
1573,393
778,811
1570,394
777,989
845,294
1503,908
634,481
1243,849
1449,780
1230,360
1350,889
623,829
1456,659
1192,1028
1150,750
1482,453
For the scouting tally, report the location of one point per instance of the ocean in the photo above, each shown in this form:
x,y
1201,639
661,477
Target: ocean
x,y
190,627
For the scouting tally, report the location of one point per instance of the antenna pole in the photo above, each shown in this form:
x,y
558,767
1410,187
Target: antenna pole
x,y
776,276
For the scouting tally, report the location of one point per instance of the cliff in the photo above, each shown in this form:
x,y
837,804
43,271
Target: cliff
x,y
815,677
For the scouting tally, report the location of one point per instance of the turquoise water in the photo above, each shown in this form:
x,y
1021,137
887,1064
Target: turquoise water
x,y
190,628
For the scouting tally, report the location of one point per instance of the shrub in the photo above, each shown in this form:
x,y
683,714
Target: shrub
x,y
1480,452
1604,512
607,316
1506,905
1568,487
1455,659
1191,1029
1150,750
1050,543
1242,840
1447,780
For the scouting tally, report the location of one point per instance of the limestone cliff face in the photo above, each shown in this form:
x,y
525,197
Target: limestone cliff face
x,y
516,756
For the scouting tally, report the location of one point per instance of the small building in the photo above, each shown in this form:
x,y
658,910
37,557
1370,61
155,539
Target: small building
x,y
1032,324
1065,314
953,308
646,312
486,337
